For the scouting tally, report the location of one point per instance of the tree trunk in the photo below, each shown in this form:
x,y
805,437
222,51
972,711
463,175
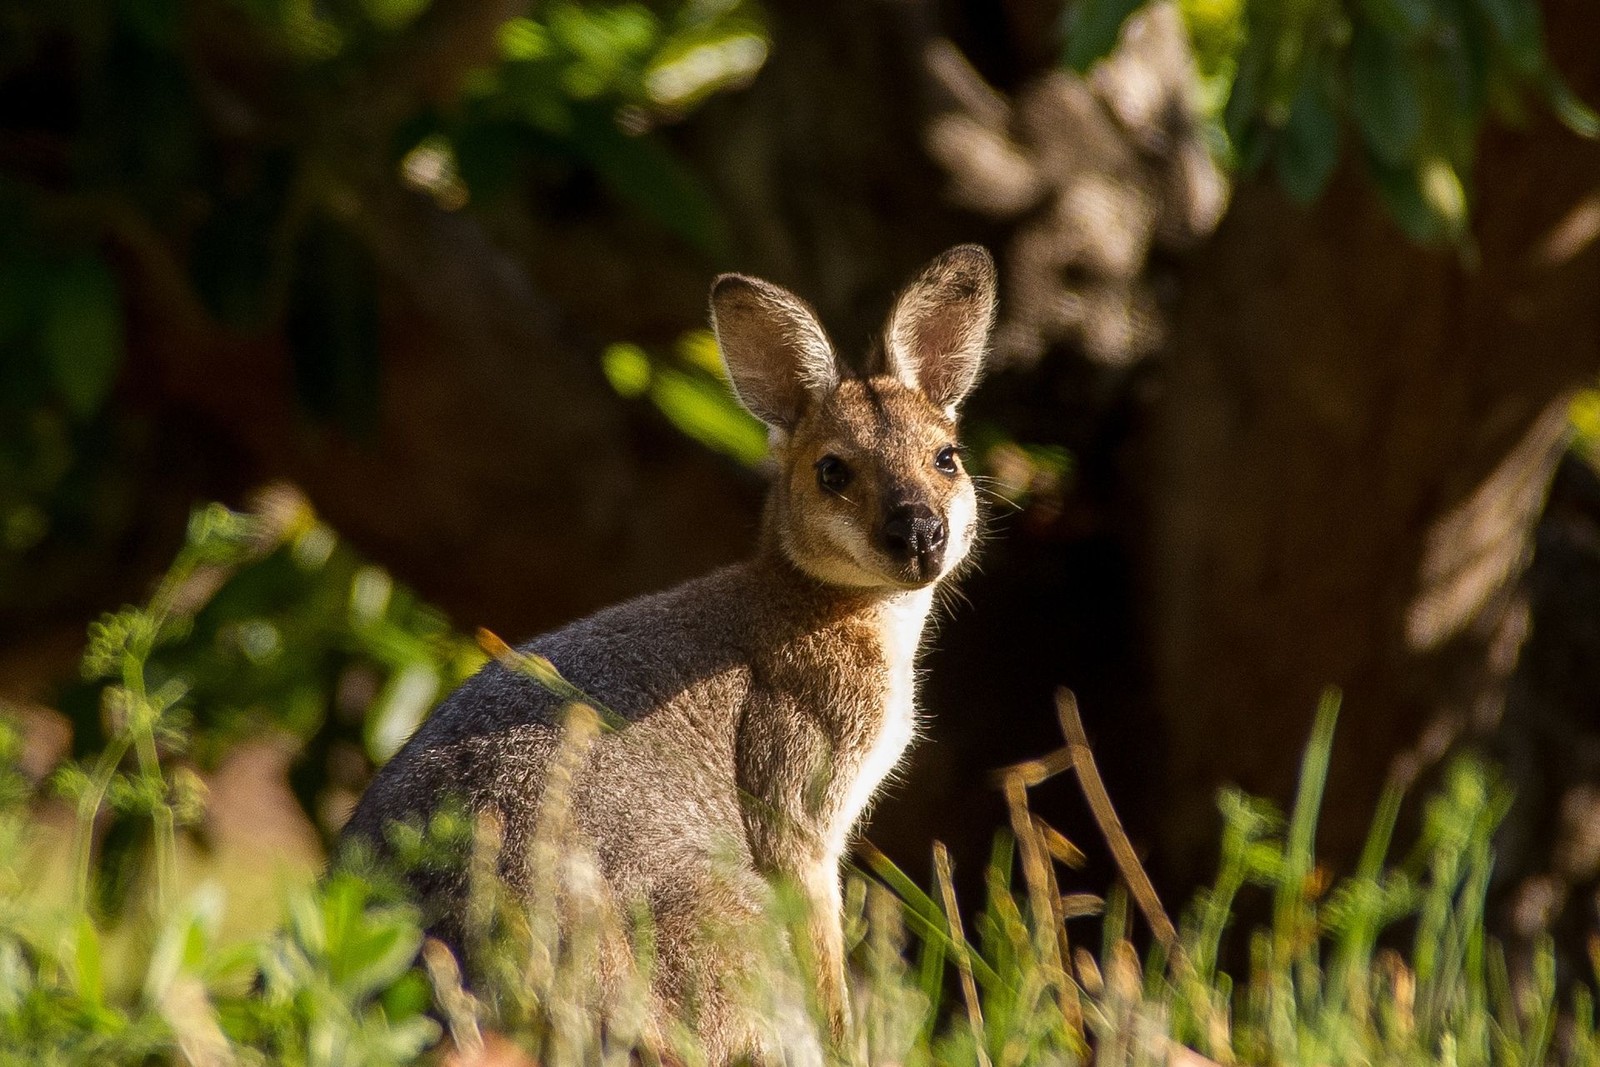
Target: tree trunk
x,y
1349,456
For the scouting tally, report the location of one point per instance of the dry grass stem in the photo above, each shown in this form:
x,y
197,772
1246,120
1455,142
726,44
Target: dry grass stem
x,y
963,960
1046,918
460,1008
1105,815
1057,844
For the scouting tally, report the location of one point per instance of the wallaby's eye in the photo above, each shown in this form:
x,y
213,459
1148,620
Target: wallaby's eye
x,y
945,459
832,474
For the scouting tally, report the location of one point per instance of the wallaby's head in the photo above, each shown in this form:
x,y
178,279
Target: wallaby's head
x,y
870,491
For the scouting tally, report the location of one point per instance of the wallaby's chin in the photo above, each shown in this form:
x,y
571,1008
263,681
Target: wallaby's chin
x,y
891,579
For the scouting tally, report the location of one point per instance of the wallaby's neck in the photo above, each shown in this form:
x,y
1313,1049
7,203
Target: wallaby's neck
x,y
866,680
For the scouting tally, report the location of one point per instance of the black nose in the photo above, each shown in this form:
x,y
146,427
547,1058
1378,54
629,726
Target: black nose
x,y
914,534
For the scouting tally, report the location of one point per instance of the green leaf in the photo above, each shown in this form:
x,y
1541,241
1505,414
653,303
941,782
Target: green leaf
x,y
82,332
1456,84
704,60
645,172
1519,29
1403,20
627,368
378,955
1385,96
1092,29
705,410
409,996
394,15
1576,115
1241,116
1309,149
1402,191
524,39
401,706
1445,195
603,37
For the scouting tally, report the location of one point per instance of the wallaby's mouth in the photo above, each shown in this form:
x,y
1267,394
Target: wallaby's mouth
x,y
925,569
917,572
914,536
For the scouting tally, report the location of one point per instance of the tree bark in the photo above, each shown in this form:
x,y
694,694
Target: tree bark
x,y
1349,457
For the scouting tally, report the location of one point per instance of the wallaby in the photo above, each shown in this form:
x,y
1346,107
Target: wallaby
x,y
760,706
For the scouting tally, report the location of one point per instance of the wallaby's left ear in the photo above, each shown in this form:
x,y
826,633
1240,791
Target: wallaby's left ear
x,y
939,328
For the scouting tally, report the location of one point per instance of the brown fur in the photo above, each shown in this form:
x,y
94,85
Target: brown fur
x,y
760,706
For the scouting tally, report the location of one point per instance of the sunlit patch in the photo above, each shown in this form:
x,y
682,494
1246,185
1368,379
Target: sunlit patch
x,y
1576,231
705,68
430,168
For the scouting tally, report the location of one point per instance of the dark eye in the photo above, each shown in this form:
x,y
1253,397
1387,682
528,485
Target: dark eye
x,y
832,474
945,459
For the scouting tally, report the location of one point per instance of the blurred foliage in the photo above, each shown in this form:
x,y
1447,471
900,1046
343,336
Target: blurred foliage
x,y
1017,475
256,630
264,627
1585,419
1410,83
224,152
691,389
1390,964
232,143
581,83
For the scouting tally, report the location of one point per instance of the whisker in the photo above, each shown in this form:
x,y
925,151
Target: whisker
x,y
994,494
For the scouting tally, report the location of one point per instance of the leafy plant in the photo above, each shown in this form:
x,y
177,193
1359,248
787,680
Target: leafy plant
x,y
1408,85
692,391
149,140
264,626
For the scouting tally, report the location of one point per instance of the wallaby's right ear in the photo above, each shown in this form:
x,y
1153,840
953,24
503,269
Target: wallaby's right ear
x,y
939,328
773,346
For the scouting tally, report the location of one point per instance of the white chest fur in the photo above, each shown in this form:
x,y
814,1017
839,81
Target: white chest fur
x,y
903,620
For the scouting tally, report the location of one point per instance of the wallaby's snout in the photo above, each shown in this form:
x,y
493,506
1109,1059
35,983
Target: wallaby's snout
x,y
913,532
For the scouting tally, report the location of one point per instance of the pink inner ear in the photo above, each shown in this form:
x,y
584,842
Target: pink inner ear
x,y
774,348
939,327
939,350
938,339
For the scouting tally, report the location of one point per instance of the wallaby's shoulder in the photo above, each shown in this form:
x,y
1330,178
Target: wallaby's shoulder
x,y
628,657
630,660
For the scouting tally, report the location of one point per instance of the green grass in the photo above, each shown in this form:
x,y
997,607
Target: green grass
x,y
1389,964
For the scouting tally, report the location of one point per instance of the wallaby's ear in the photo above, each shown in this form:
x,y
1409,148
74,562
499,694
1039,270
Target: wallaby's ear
x,y
939,328
774,348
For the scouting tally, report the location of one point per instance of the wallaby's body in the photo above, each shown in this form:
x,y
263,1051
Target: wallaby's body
x,y
761,705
